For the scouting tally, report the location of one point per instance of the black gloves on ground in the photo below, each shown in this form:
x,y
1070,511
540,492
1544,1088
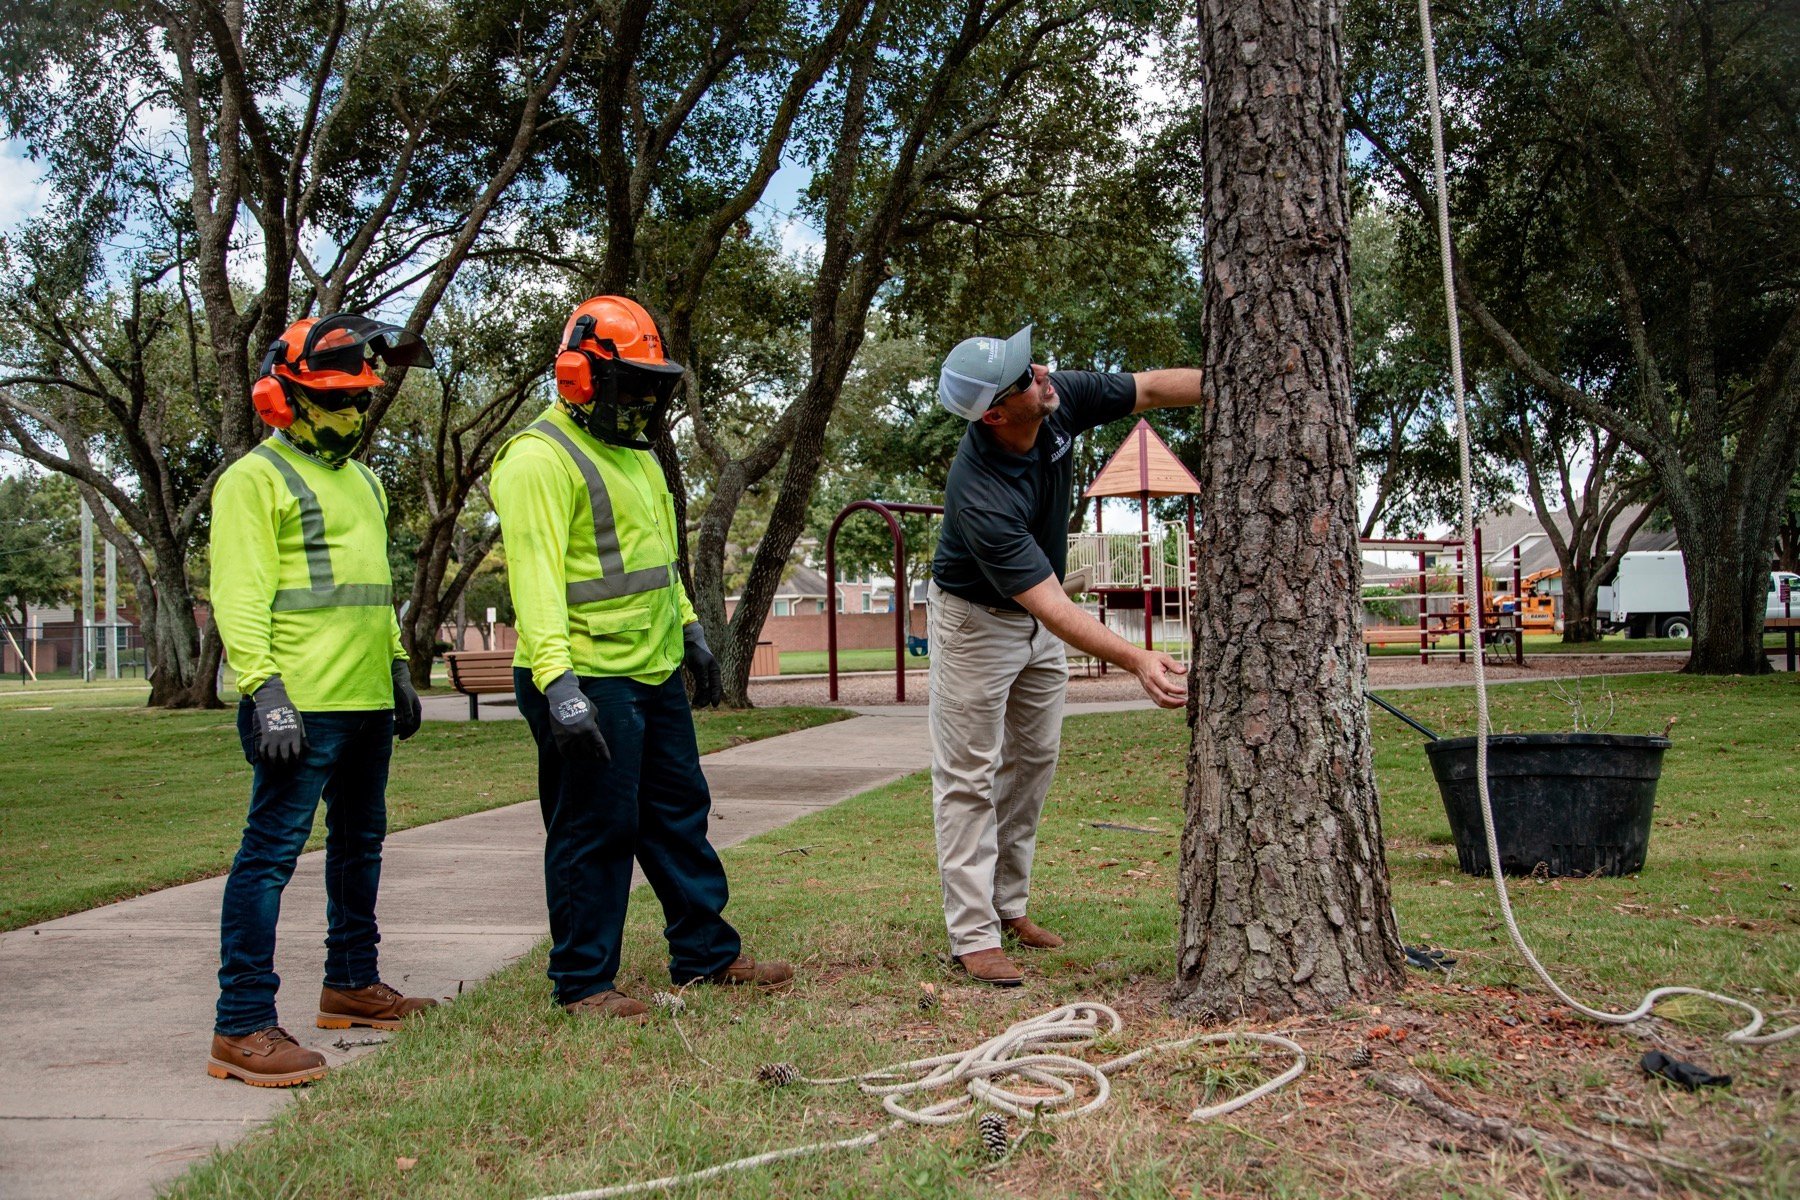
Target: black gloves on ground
x,y
408,712
701,666
572,722
280,737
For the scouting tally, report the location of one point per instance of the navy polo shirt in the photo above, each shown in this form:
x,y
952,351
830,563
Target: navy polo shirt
x,y
1006,515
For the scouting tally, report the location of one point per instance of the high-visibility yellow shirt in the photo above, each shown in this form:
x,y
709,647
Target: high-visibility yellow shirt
x,y
590,555
300,582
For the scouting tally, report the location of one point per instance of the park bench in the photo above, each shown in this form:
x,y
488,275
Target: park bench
x,y
473,672
1785,625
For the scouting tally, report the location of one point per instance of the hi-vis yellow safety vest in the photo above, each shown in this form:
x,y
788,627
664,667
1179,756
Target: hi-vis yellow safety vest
x,y
300,585
591,550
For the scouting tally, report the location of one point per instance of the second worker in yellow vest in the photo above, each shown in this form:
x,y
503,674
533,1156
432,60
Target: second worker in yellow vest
x,y
604,623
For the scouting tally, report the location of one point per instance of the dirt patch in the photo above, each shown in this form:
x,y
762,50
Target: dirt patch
x,y
865,689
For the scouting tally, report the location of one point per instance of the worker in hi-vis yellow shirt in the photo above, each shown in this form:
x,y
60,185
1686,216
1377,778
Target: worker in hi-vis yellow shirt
x,y
304,603
604,624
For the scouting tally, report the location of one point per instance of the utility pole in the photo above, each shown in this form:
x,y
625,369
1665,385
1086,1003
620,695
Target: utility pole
x,y
112,610
86,621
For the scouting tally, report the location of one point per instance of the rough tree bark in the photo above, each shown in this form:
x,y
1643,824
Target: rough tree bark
x,y
1284,891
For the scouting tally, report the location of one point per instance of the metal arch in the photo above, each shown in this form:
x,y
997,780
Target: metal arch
x,y
901,587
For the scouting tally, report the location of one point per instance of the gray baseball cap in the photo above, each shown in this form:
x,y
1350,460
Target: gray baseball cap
x,y
978,368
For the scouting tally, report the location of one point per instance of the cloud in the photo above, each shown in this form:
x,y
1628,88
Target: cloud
x,y
23,188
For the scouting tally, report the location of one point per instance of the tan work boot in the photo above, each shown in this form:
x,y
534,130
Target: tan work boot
x,y
1030,933
267,1058
377,1006
747,971
612,1004
991,966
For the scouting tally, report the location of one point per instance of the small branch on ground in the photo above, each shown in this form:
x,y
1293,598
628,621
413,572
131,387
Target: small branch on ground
x,y
1416,1092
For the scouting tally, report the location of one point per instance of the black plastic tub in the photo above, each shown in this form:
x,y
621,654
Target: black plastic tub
x,y
1564,803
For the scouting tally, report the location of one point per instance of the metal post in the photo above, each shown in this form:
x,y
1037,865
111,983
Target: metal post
x,y
1424,614
1518,609
112,611
1149,625
85,622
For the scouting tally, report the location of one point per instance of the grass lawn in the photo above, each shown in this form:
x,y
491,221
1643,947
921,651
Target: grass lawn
x,y
501,1095
1552,643
106,799
812,662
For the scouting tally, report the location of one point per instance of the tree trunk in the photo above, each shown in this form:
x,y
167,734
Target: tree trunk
x,y
1285,903
1581,599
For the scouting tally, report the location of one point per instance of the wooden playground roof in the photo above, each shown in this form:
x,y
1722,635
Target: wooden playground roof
x,y
1144,466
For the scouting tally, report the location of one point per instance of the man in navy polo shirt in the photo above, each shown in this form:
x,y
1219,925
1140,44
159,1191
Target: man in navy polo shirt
x,y
999,620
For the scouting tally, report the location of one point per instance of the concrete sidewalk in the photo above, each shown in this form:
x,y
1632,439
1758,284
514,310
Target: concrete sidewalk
x,y
106,1016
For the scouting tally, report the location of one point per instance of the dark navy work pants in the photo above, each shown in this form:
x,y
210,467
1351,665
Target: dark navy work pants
x,y
346,763
649,803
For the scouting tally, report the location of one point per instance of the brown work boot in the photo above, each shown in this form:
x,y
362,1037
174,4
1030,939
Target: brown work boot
x,y
1030,933
748,971
991,966
610,1003
267,1058
377,1006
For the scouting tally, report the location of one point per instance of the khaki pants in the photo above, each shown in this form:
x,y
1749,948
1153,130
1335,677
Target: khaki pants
x,y
997,683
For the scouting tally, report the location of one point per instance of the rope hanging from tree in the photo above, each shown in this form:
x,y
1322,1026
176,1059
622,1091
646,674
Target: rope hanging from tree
x,y
1748,1034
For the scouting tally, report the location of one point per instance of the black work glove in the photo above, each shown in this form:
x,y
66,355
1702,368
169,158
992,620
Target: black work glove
x,y
701,666
408,712
572,723
280,737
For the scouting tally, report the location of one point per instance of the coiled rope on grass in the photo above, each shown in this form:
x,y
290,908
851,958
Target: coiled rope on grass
x,y
1033,1053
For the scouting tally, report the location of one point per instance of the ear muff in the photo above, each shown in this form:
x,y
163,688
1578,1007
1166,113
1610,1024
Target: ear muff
x,y
575,367
575,376
269,395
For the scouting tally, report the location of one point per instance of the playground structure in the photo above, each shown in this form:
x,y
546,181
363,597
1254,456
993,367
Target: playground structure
x,y
902,594
1145,578
1150,572
1416,612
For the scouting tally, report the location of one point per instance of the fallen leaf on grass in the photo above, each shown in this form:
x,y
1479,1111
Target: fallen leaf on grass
x,y
406,1164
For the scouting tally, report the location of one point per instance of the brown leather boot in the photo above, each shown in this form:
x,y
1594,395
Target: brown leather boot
x,y
612,1004
267,1058
1030,933
747,971
377,1006
991,966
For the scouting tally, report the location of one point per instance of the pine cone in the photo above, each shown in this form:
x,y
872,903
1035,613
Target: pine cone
x,y
777,1074
1361,1057
992,1127
669,1002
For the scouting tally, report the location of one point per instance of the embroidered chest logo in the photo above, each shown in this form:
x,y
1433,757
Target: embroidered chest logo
x,y
1062,446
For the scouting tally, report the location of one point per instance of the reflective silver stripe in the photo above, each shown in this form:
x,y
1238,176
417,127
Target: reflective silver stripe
x,y
615,580
312,519
325,592
344,595
631,583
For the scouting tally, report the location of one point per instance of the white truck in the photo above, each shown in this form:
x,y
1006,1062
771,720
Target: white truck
x,y
1648,596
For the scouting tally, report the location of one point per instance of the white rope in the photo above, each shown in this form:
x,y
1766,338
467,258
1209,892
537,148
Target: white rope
x,y
1749,1033
1031,1051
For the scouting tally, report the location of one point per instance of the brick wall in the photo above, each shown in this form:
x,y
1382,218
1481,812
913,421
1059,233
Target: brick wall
x,y
856,631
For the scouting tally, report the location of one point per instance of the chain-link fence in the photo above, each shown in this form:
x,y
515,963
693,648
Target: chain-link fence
x,y
54,651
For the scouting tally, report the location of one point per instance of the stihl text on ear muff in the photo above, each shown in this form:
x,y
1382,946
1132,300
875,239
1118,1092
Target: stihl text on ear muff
x,y
575,366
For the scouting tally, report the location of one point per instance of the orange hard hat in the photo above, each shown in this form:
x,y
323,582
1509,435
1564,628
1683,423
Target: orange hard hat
x,y
615,328
327,354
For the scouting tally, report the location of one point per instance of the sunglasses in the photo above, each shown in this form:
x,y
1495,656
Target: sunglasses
x,y
1021,384
339,399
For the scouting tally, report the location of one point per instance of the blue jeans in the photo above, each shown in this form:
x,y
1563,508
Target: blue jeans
x,y
650,803
346,763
